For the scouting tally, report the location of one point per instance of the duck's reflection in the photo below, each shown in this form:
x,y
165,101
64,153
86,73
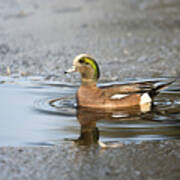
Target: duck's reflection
x,y
89,133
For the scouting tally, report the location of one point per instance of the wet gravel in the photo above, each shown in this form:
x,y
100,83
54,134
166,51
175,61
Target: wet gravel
x,y
129,38
148,160
132,38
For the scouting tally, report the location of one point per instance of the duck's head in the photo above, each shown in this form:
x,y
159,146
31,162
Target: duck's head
x,y
87,67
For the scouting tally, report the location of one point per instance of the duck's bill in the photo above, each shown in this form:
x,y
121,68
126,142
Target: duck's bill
x,y
72,69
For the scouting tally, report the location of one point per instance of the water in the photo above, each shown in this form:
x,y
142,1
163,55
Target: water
x,y
35,111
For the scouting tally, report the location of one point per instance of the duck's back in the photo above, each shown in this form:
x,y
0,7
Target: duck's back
x,y
119,96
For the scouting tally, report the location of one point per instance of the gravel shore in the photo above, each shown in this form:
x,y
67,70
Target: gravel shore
x,y
148,160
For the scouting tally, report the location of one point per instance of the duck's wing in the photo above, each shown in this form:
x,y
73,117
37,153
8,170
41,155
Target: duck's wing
x,y
150,87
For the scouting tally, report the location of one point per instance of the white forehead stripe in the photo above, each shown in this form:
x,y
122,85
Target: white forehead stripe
x,y
119,96
145,98
80,56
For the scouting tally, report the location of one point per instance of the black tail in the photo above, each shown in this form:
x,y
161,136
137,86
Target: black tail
x,y
160,86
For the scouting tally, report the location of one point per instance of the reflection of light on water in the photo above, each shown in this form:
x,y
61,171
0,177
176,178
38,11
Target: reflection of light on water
x,y
119,115
49,114
177,102
154,125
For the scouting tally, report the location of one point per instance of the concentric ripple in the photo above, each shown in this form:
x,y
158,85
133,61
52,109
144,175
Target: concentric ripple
x,y
65,106
36,111
162,122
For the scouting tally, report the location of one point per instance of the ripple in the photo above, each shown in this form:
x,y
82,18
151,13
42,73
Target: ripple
x,y
47,114
65,106
162,122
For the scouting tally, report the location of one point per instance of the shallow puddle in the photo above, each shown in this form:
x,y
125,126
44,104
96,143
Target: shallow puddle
x,y
35,111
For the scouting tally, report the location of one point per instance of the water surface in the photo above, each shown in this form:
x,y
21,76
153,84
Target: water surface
x,y
35,111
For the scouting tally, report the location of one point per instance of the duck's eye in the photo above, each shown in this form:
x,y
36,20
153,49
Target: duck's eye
x,y
81,61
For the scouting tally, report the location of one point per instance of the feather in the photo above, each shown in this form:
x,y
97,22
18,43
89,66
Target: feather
x,y
119,96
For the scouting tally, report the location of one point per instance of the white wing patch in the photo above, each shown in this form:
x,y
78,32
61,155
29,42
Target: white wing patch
x,y
145,98
119,96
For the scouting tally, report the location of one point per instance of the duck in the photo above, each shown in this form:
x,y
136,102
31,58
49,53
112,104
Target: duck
x,y
115,96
